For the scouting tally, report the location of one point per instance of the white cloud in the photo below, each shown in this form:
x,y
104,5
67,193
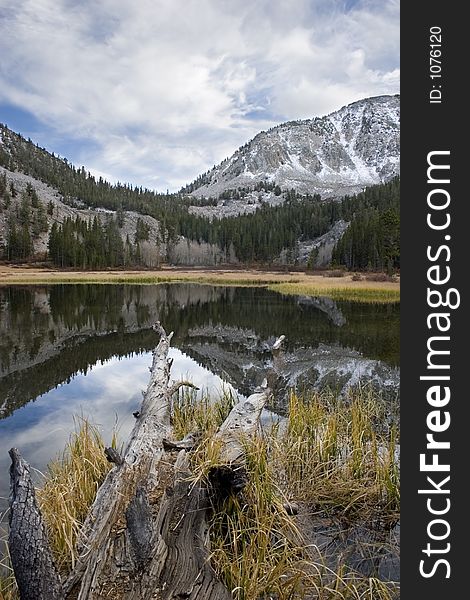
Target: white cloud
x,y
164,89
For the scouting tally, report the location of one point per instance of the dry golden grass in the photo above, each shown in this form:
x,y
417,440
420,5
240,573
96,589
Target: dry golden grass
x,y
337,456
8,587
72,481
10,274
193,413
363,291
345,287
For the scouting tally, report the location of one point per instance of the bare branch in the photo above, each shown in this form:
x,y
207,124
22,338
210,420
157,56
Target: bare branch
x,y
179,384
278,343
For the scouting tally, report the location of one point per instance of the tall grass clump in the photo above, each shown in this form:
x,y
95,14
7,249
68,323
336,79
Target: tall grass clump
x,y
327,455
200,413
72,481
8,587
338,455
69,489
257,547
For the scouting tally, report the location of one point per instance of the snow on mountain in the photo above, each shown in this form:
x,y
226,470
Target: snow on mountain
x,y
340,153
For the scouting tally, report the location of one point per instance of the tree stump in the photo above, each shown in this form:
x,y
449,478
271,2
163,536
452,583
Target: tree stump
x,y
31,558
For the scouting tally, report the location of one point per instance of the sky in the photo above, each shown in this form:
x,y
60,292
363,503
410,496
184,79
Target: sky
x,y
155,92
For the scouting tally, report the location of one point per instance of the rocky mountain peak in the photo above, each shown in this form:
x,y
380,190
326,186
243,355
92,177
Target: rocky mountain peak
x,y
333,155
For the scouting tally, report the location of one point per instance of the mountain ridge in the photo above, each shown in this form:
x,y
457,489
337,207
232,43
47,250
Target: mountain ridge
x,y
347,151
337,154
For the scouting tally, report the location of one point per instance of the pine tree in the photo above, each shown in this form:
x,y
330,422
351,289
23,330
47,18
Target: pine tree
x,y
24,214
120,217
312,259
142,231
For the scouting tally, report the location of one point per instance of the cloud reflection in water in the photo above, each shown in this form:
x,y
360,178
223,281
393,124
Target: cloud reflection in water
x,y
107,395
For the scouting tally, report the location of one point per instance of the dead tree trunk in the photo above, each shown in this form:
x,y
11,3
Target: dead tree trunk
x,y
31,558
146,533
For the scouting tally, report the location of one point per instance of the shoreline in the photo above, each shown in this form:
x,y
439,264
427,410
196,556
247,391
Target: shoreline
x,y
25,274
298,283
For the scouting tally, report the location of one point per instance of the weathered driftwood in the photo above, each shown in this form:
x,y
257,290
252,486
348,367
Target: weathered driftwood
x,y
146,533
243,421
31,557
189,442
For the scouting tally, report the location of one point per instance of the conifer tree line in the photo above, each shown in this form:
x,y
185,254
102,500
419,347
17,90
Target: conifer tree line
x,y
370,242
78,187
92,245
372,239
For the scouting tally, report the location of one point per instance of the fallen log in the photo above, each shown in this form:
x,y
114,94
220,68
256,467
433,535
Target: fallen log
x,y
126,525
146,533
189,442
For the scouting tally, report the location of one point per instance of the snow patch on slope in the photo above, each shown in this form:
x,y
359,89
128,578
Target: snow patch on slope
x,y
334,155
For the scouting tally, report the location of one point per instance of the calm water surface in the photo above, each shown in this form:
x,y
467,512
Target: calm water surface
x,y
69,350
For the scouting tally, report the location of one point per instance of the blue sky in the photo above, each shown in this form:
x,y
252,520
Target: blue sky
x,y
154,92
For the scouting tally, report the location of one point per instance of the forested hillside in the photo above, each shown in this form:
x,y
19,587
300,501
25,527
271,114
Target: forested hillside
x,y
78,187
370,242
25,223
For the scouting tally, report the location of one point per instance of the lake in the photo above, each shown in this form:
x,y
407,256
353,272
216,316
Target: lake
x,y
72,350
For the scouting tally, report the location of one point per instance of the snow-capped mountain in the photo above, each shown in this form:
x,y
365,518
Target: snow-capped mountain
x,y
340,153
